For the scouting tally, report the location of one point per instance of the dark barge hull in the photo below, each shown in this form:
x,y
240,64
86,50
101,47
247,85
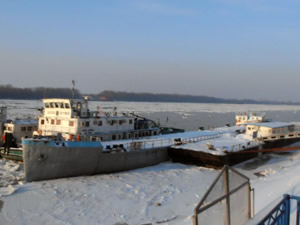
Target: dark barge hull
x,y
206,159
200,158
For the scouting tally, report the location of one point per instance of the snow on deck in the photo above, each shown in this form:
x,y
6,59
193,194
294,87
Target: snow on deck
x,y
166,140
227,143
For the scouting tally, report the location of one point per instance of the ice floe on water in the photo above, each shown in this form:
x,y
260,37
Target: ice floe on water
x,y
11,173
30,107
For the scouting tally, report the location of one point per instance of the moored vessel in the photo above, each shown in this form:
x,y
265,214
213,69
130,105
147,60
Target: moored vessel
x,y
50,159
258,137
250,117
73,120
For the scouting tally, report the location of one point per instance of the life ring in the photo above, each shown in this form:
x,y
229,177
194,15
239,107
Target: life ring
x,y
40,132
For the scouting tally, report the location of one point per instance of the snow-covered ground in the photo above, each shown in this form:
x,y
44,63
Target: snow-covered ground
x,y
162,194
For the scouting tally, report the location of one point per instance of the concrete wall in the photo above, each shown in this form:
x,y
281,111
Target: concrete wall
x,y
42,162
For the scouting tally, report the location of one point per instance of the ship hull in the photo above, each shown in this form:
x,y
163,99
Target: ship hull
x,y
43,161
201,158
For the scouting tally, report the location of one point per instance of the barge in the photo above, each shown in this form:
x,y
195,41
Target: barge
x,y
230,149
259,137
69,140
50,159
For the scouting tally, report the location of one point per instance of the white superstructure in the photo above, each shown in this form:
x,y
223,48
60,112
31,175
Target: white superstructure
x,y
269,129
20,128
243,118
73,120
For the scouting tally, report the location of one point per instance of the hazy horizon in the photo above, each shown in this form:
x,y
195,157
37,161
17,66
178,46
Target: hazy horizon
x,y
220,48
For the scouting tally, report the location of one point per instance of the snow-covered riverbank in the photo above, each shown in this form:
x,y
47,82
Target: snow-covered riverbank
x,y
164,193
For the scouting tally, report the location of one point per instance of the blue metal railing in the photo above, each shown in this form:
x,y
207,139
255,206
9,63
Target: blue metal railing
x,y
280,214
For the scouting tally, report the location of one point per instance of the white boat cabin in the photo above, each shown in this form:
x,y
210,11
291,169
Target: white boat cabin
x,y
21,128
244,118
267,129
73,120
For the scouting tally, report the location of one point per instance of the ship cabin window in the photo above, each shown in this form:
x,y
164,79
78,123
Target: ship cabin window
x,y
62,105
78,106
74,106
95,122
56,105
52,121
23,128
29,128
51,105
42,122
87,123
71,123
46,105
130,121
100,123
58,122
249,128
154,133
67,106
113,137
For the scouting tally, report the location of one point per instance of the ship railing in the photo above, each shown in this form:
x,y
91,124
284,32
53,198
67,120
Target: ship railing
x,y
167,142
241,146
286,135
66,130
149,144
201,138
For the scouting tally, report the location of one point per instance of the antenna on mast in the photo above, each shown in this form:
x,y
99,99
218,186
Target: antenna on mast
x,y
73,89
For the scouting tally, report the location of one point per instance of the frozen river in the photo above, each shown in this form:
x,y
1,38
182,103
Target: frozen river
x,y
189,116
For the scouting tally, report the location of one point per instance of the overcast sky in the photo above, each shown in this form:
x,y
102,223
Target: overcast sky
x,y
222,48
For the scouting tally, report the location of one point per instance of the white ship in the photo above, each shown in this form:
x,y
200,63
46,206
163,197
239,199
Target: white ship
x,y
20,128
72,119
244,118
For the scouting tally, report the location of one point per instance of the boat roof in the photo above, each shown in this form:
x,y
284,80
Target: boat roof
x,y
273,124
24,121
62,100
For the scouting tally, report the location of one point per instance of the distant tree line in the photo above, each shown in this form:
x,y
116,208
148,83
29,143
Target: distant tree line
x,y
10,92
149,97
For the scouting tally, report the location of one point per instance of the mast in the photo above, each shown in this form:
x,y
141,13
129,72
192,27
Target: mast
x,y
73,89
